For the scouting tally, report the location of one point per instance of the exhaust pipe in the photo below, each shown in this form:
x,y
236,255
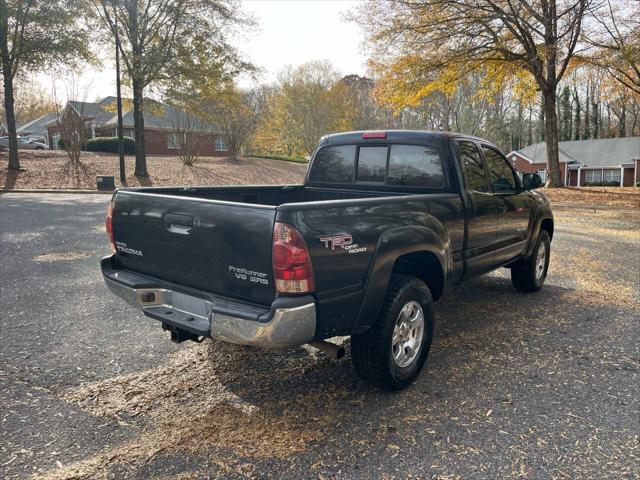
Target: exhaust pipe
x,y
331,349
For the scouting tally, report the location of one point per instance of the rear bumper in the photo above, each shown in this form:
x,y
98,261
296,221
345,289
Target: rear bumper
x,y
289,322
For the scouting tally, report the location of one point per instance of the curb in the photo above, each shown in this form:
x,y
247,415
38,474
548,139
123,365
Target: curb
x,y
592,207
100,192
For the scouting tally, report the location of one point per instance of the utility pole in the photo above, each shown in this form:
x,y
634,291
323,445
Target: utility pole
x,y
123,176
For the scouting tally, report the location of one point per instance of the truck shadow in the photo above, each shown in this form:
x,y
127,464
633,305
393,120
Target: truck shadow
x,y
486,333
484,316
223,402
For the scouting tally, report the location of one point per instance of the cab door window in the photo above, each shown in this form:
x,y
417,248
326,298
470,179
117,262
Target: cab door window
x,y
475,175
503,178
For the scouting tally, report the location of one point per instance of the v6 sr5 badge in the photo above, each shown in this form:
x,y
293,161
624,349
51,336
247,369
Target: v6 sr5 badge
x,y
344,241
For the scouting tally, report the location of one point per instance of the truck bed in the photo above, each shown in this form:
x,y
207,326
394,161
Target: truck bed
x,y
217,239
270,195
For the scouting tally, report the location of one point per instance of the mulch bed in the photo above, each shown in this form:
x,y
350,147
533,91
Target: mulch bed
x,y
53,170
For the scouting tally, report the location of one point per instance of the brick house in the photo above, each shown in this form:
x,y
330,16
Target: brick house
x,y
164,126
585,161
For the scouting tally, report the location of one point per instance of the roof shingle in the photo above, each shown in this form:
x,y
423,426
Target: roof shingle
x,y
603,152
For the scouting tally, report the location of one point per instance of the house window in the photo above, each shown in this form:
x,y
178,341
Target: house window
x,y
543,174
173,141
612,176
220,145
593,176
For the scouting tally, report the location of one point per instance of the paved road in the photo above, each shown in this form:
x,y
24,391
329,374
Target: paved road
x,y
537,386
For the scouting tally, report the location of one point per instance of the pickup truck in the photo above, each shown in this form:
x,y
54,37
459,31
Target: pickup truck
x,y
384,224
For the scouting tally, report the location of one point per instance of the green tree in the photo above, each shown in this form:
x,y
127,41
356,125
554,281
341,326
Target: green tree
x,y
432,44
577,115
617,41
565,114
307,103
163,41
36,34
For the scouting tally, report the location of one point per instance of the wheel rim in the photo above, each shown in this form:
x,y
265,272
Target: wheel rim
x,y
407,334
541,260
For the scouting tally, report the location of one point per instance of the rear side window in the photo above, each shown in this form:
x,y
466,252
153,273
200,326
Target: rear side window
x,y
372,164
415,166
334,165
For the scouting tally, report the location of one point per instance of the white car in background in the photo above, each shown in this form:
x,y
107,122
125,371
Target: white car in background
x,y
24,143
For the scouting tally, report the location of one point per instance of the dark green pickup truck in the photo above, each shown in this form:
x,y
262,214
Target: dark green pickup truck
x,y
384,224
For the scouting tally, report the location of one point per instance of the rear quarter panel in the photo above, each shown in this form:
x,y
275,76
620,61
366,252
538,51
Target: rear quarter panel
x,y
342,274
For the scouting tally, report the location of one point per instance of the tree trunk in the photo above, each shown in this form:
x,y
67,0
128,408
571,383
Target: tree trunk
x,y
587,116
578,118
138,126
10,116
123,173
551,133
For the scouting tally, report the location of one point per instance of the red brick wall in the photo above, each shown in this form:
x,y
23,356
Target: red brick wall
x,y
637,179
524,166
156,143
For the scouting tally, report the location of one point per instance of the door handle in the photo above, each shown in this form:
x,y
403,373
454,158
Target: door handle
x,y
178,223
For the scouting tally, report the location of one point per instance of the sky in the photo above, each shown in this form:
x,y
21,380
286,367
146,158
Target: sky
x,y
289,33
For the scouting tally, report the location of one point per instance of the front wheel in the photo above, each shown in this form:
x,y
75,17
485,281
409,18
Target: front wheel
x,y
529,274
392,353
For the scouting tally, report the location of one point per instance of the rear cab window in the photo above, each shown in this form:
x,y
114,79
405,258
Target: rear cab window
x,y
397,165
334,164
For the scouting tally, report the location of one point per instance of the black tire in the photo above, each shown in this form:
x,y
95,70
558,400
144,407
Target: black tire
x,y
372,352
526,275
39,148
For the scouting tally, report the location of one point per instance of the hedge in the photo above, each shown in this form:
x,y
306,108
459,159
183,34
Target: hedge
x,y
284,158
110,144
602,184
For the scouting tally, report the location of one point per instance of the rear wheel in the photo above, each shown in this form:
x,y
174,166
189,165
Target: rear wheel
x,y
392,353
529,274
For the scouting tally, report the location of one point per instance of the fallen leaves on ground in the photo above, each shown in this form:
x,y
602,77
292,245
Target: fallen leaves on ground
x,y
598,196
53,170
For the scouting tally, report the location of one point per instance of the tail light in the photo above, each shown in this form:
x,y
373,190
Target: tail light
x,y
108,225
367,135
291,261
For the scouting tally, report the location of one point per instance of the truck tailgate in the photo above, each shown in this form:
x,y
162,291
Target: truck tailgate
x,y
215,246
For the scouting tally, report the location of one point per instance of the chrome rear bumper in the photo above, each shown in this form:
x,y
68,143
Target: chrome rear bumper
x,y
289,322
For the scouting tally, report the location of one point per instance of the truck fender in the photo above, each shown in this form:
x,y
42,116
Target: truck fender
x,y
542,213
392,244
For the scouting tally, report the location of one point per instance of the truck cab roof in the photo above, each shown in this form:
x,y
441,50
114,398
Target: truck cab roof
x,y
394,136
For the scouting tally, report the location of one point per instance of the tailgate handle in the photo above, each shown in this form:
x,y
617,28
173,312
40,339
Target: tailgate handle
x,y
178,223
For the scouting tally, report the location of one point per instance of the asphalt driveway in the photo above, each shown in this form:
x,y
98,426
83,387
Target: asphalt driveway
x,y
532,386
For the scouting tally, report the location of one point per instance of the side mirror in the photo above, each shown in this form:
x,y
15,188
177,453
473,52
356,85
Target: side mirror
x,y
531,181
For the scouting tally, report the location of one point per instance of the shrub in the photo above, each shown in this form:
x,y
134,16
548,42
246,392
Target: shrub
x,y
284,158
602,184
110,144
